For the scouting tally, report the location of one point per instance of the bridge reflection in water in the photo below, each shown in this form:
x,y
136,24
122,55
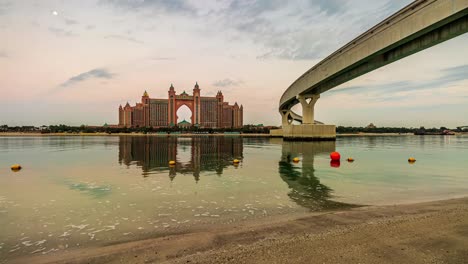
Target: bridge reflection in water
x,y
198,155
192,154
306,188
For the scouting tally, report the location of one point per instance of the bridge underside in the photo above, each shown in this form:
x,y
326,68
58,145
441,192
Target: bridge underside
x,y
448,28
444,30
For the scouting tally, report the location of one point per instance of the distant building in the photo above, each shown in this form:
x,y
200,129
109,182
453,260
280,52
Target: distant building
x,y
184,123
371,125
211,112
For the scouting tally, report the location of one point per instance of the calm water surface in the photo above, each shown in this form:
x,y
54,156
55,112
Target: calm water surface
x,y
86,191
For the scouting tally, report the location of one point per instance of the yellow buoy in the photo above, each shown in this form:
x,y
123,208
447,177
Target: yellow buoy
x,y
296,160
411,160
172,162
235,161
350,159
15,167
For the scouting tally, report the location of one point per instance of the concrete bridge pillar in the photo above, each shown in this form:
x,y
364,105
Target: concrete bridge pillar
x,y
285,118
307,130
308,107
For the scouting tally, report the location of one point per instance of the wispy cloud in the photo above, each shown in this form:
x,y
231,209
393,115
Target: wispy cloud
x,y
4,6
447,77
60,32
126,38
455,73
227,83
98,73
159,6
3,54
445,88
297,30
162,58
300,30
70,21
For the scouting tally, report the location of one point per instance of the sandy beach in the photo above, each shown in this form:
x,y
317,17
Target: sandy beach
x,y
432,232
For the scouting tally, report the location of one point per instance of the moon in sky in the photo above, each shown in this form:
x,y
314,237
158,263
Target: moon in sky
x,y
55,13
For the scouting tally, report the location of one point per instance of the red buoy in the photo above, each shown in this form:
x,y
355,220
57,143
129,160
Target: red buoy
x,y
335,156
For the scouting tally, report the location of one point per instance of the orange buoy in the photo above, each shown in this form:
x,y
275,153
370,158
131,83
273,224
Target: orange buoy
x,y
235,161
335,156
15,167
350,159
172,162
296,160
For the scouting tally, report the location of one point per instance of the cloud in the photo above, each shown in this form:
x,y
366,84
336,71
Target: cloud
x,y
120,37
162,58
227,83
69,21
89,27
301,30
98,73
3,54
447,88
331,6
292,30
455,73
4,6
159,6
60,32
447,77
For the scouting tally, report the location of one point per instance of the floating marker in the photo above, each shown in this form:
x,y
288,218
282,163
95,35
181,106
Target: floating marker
x,y
172,162
350,159
236,161
335,156
15,167
296,160
411,160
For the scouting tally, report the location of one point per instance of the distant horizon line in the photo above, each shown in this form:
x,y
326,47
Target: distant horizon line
x,y
116,125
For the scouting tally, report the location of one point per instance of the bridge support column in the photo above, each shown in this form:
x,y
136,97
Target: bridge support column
x,y
308,104
286,121
308,130
285,118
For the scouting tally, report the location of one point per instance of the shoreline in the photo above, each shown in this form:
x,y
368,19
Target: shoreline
x,y
19,134
408,233
27,134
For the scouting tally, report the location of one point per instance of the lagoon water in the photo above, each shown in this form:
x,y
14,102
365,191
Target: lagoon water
x,y
77,192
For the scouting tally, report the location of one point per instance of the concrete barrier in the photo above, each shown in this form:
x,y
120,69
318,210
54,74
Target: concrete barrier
x,y
309,132
276,132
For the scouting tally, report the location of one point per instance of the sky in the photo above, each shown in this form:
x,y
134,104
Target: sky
x,y
75,62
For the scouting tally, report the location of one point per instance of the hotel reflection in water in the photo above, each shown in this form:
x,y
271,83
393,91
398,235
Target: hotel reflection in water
x,y
193,155
213,154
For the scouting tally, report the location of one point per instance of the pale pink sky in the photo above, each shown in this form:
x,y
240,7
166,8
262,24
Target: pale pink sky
x,y
74,62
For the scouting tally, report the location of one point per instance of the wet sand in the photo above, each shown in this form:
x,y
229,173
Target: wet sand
x,y
434,232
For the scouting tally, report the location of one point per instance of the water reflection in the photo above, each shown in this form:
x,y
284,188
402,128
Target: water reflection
x,y
92,190
306,189
193,155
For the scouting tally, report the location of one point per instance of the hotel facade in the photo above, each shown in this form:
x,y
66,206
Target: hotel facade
x,y
207,112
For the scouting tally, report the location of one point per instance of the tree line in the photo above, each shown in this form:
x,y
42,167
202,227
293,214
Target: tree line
x,y
112,129
193,129
401,130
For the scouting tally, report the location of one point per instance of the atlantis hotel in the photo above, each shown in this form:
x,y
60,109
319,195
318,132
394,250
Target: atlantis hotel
x,y
207,112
